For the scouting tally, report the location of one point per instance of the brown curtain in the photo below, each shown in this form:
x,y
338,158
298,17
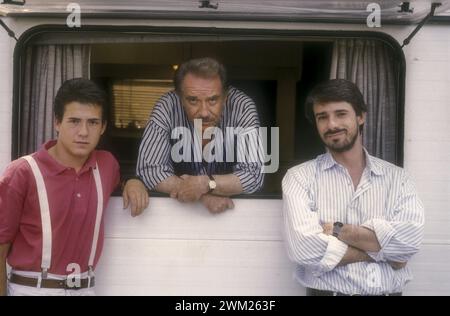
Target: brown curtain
x,y
46,68
371,66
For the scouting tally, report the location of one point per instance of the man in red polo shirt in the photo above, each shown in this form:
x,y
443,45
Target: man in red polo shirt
x,y
52,202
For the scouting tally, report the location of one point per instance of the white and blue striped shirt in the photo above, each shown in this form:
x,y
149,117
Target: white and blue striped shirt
x,y
385,201
155,163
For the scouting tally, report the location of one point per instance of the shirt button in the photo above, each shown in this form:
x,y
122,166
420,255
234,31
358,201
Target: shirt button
x,y
79,195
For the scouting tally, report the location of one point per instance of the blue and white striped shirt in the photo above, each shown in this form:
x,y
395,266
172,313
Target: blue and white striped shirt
x,y
385,201
155,163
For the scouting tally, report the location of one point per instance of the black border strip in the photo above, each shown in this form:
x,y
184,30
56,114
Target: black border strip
x,y
28,35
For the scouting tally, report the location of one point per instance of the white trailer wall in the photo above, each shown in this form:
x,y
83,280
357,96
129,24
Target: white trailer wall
x,y
176,249
6,86
427,151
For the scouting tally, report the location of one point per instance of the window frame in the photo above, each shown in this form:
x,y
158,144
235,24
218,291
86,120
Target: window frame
x,y
112,112
28,35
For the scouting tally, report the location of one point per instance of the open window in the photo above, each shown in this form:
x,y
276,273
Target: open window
x,y
276,69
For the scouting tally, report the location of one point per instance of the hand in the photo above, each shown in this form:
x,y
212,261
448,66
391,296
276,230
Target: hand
x,y
135,193
397,265
217,204
327,228
191,188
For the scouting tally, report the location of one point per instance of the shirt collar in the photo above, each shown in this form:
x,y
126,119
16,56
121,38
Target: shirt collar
x,y
371,164
328,161
54,167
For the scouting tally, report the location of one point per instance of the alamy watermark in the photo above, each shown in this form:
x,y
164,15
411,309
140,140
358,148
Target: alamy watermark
x,y
74,18
74,278
374,18
242,145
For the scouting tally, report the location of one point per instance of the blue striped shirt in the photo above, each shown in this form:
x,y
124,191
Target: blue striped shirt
x,y
155,163
385,201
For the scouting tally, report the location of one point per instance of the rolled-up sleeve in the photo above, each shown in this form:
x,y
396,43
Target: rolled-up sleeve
x,y
249,166
154,164
250,151
401,237
306,243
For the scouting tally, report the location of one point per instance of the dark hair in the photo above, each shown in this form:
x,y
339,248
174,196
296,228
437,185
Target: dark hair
x,y
202,67
335,90
79,90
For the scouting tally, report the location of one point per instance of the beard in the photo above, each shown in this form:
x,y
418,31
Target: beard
x,y
340,146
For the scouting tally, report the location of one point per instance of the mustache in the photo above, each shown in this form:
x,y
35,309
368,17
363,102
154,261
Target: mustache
x,y
335,131
206,120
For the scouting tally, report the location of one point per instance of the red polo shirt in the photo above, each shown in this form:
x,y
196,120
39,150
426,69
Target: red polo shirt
x,y
73,207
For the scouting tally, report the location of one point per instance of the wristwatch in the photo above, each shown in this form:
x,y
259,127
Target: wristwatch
x,y
337,226
212,185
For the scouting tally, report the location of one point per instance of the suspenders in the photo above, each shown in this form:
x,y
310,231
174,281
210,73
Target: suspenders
x,y
46,221
98,220
45,216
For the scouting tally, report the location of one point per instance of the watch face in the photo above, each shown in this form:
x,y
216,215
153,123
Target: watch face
x,y
337,228
212,185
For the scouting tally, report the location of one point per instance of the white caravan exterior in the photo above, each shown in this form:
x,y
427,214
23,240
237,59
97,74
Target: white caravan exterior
x,y
175,249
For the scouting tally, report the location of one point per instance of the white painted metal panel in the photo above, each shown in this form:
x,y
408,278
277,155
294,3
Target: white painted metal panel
x,y
175,249
431,271
190,251
252,219
195,267
427,132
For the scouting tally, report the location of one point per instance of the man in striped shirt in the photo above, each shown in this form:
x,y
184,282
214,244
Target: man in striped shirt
x,y
202,164
352,221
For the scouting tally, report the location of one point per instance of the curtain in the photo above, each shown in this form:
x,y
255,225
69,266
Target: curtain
x,y
370,64
46,68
